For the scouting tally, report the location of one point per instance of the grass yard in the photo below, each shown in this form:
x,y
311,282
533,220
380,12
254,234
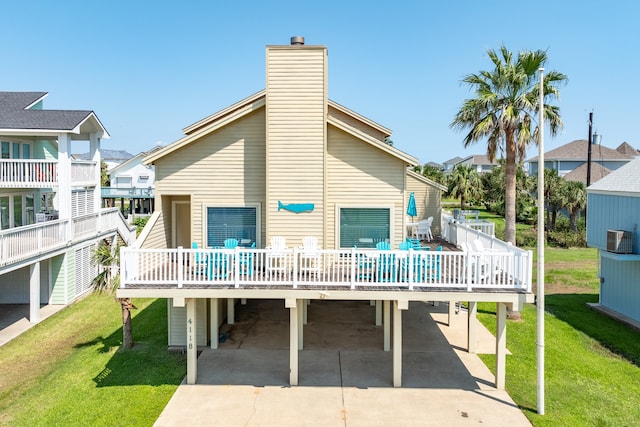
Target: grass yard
x,y
592,363
68,370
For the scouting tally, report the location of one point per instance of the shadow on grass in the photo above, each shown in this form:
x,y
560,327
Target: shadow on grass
x,y
614,336
148,362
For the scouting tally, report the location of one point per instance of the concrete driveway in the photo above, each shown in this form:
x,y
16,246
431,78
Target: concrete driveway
x,y
345,376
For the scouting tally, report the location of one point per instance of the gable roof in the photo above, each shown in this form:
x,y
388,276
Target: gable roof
x,y
626,179
257,101
627,149
140,156
478,159
17,117
577,150
453,161
580,173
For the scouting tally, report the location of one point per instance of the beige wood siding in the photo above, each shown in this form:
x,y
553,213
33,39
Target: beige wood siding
x,y
157,236
177,334
428,202
360,176
296,100
224,168
357,124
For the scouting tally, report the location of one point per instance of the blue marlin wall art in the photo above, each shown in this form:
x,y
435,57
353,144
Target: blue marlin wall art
x,y
296,207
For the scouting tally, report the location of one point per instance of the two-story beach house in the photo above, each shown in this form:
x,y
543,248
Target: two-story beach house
x,y
291,196
50,216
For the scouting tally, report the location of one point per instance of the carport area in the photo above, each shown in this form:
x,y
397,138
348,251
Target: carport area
x,y
345,376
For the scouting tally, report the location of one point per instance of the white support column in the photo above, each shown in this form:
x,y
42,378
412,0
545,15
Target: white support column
x,y
501,344
472,338
213,322
378,312
301,307
231,311
34,292
387,324
292,305
63,195
192,341
398,306
94,152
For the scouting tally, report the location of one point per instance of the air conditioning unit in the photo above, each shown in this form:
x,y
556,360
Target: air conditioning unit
x,y
620,241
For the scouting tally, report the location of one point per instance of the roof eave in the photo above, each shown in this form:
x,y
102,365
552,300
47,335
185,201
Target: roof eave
x,y
386,132
408,159
258,103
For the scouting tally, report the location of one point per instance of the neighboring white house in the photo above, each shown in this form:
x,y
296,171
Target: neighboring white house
x,y
50,215
134,181
479,162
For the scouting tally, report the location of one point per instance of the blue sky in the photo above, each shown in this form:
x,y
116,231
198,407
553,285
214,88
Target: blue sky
x,y
150,68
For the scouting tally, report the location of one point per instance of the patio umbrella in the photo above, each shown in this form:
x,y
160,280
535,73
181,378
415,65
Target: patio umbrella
x,y
411,206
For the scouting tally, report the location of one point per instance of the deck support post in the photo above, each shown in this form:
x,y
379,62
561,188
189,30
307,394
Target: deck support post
x,y
301,308
293,306
192,341
378,312
34,292
398,306
387,324
213,322
305,311
452,312
231,311
501,344
472,338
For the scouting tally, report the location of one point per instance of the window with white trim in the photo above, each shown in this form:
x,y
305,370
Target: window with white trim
x,y
231,222
364,227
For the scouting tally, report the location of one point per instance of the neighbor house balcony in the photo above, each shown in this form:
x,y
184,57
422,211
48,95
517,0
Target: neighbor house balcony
x,y
34,173
24,243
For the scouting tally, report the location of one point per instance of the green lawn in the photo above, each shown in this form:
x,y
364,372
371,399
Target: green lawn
x,y
68,370
592,363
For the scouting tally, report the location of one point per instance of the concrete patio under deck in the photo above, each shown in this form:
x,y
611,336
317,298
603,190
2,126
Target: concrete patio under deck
x,y
346,378
14,319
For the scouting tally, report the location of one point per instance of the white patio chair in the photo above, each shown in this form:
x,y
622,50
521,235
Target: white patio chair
x,y
309,256
424,229
276,256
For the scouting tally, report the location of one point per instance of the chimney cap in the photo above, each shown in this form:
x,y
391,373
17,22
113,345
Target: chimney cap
x,y
297,41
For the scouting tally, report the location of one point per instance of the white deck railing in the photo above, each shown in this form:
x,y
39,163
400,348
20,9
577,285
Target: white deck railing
x,y
20,243
352,268
464,234
38,173
28,173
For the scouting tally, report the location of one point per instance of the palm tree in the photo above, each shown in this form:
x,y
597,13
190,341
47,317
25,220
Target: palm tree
x,y
576,200
465,183
553,196
106,257
503,112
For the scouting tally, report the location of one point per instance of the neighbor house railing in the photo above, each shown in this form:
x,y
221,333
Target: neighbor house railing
x,y
28,173
38,173
20,243
352,268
